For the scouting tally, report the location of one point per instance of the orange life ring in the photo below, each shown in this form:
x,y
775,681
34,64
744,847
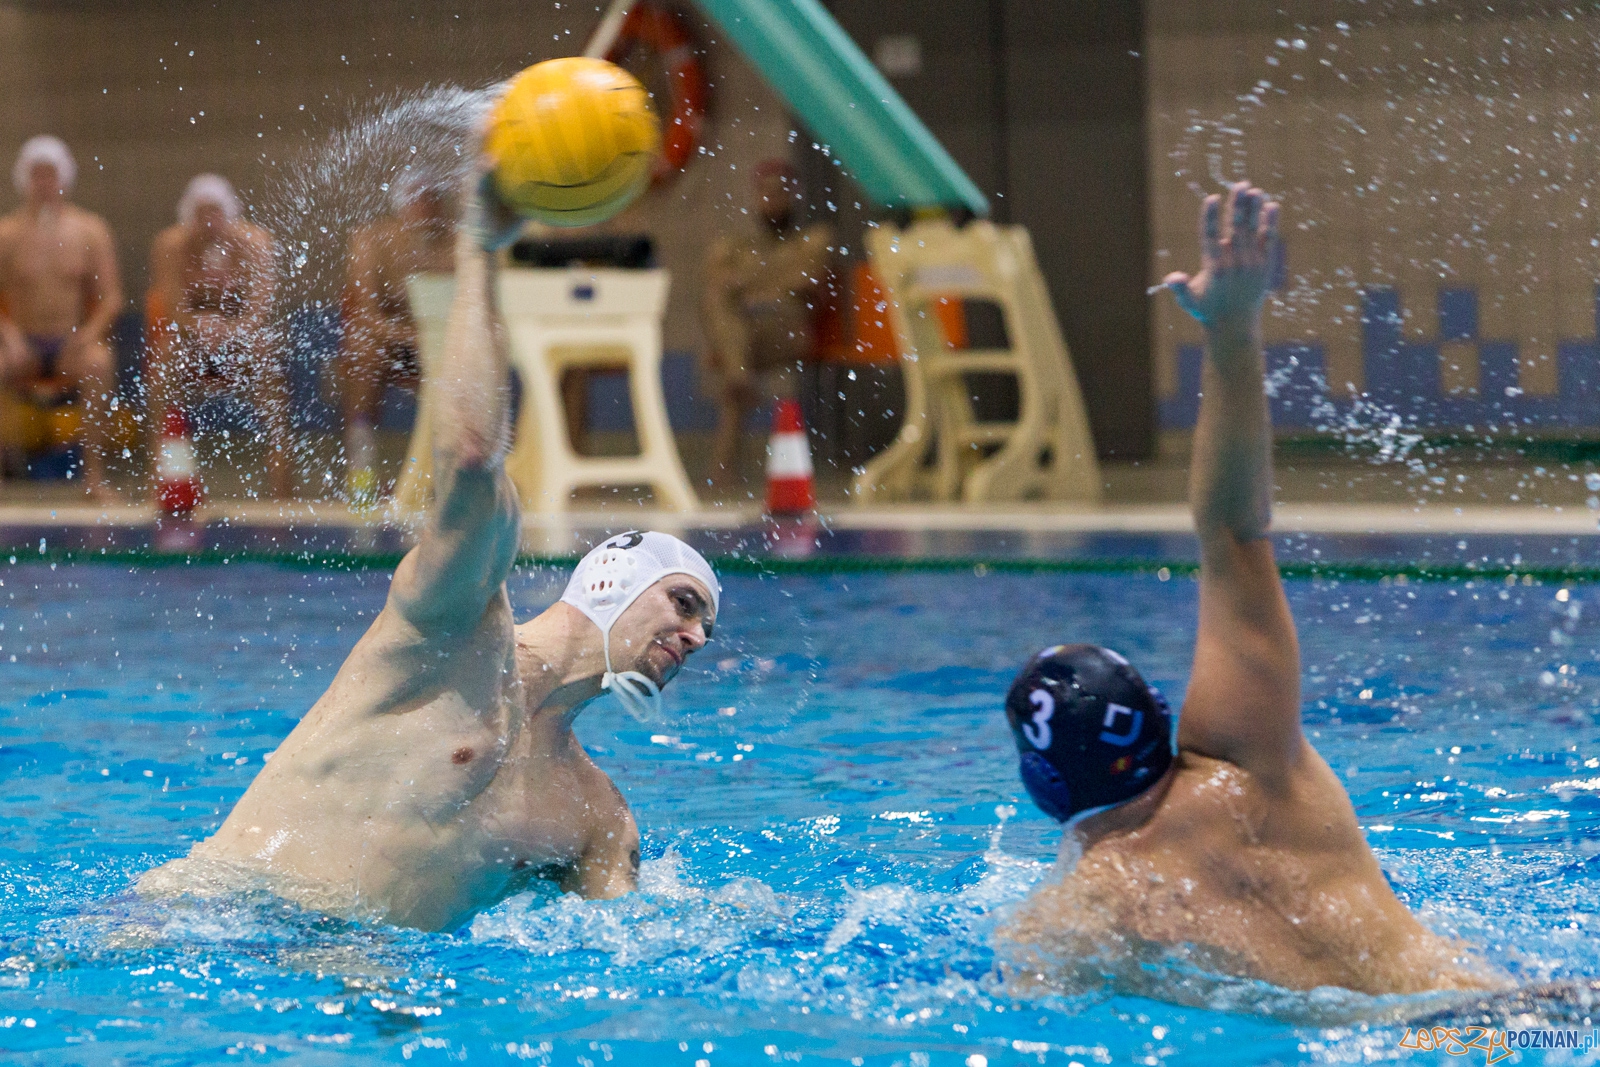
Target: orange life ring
x,y
663,31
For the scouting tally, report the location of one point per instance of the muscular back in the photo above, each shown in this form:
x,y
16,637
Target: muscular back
x,y
1236,876
1246,859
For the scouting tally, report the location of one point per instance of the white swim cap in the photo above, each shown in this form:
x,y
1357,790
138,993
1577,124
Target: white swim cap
x,y
611,577
208,189
44,149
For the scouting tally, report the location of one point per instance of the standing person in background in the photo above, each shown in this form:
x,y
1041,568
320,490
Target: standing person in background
x,y
759,305
59,294
212,277
378,336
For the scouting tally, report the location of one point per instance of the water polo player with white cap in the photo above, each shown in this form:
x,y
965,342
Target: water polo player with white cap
x,y
440,773
610,579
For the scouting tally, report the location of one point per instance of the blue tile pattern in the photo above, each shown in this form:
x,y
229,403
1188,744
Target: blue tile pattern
x,y
1403,376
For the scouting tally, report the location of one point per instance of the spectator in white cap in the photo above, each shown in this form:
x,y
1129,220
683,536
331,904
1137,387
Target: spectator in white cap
x,y
59,295
209,314
439,773
377,334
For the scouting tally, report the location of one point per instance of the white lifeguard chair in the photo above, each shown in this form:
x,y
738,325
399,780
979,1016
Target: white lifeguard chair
x,y
943,451
555,319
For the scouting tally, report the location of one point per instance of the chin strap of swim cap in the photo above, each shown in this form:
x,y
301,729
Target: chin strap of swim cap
x,y
635,692
610,578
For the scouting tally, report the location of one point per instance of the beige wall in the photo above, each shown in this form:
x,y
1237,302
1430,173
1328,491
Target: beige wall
x,y
268,80
1445,146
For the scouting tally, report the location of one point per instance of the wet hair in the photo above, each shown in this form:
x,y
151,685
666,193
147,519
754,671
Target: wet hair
x,y
1090,732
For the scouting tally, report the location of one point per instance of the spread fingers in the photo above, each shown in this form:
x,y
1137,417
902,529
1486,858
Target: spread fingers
x,y
1211,230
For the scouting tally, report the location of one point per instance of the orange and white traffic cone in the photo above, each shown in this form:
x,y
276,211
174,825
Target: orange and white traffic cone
x,y
790,486
178,489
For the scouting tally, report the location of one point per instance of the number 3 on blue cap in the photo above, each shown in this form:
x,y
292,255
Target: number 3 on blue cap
x,y
1038,731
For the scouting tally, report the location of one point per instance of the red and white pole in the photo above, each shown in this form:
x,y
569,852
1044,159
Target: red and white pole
x,y
791,488
178,489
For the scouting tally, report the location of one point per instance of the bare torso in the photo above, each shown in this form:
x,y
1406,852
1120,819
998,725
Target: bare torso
x,y
1233,877
225,276
439,772
49,265
1245,859
425,785
383,256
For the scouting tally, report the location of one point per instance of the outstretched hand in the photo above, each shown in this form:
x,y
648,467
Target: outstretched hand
x,y
1241,258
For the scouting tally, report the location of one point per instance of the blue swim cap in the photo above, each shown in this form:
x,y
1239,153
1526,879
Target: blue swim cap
x,y
1091,733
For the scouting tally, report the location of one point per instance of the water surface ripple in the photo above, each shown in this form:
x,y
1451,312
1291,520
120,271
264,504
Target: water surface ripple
x,y
832,825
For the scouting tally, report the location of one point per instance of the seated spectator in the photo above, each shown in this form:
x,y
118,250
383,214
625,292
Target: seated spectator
x,y
759,304
378,340
59,295
211,283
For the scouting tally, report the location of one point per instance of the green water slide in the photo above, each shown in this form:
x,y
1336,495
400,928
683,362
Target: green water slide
x,y
825,79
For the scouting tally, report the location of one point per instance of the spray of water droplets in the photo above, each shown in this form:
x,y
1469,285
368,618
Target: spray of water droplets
x,y
351,178
1412,149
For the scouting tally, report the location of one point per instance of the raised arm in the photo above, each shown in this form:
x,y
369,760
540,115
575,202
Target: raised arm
x,y
471,536
1243,703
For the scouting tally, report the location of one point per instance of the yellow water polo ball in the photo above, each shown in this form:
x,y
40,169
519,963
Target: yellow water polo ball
x,y
572,141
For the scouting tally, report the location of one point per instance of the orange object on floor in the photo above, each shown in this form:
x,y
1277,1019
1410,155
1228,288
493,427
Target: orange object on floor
x,y
791,488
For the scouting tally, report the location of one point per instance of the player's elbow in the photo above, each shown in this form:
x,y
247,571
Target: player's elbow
x,y
1241,524
472,450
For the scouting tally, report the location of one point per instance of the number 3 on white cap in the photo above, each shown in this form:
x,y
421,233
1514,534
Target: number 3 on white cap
x,y
1038,731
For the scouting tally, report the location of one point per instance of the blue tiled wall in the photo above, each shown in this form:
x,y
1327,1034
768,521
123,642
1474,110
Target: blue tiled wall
x,y
1295,374
1404,377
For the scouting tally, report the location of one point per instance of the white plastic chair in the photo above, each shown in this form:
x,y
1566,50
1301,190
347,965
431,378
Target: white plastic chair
x,y
558,319
943,451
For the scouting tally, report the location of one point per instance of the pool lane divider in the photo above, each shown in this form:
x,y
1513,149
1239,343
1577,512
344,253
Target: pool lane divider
x,y
779,566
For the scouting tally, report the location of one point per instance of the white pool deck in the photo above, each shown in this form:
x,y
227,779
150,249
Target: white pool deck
x,y
1289,518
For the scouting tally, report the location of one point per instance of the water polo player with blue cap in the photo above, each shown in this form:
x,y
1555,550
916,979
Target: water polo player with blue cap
x,y
1082,714
439,773
1218,842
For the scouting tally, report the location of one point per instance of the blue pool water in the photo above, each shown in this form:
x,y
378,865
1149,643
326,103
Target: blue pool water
x,y
832,826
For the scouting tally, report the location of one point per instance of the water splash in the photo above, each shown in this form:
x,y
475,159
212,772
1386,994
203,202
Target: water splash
x,y
1368,426
351,178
